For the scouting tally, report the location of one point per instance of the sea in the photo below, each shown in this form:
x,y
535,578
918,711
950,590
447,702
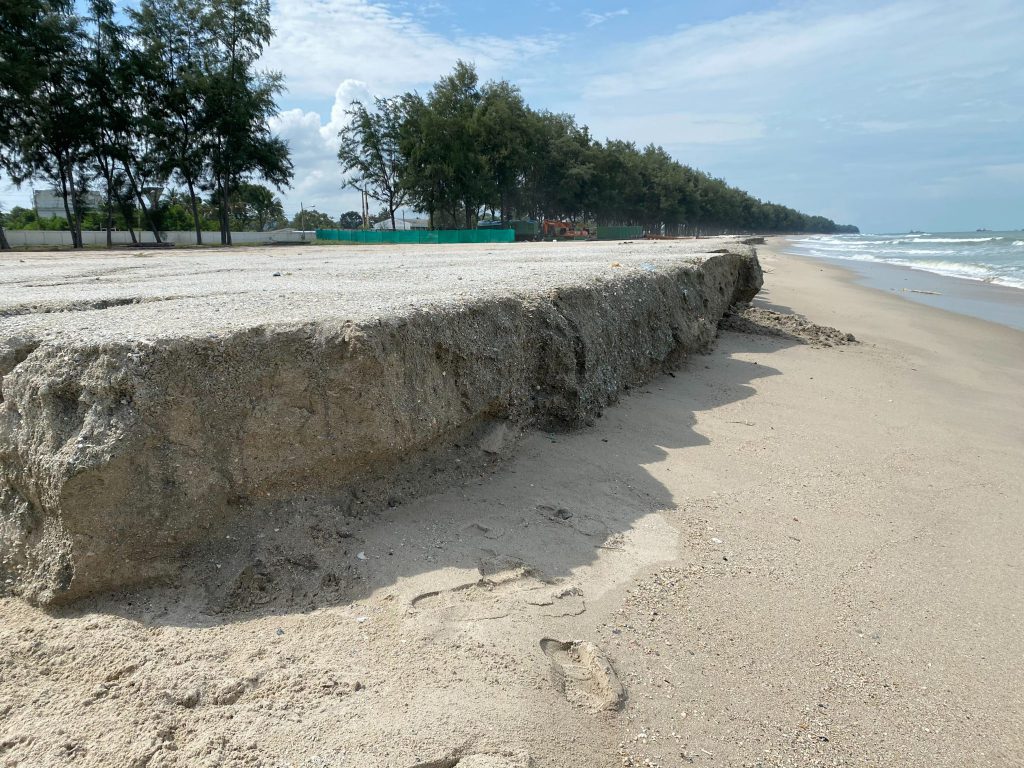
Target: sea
x,y
991,257
919,266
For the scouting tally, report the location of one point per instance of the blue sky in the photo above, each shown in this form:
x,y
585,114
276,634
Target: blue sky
x,y
891,115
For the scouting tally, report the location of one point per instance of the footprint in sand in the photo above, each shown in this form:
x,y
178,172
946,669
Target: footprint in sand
x,y
582,523
497,595
582,672
480,761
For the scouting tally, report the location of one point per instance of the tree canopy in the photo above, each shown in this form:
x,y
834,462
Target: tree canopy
x,y
370,153
467,150
164,92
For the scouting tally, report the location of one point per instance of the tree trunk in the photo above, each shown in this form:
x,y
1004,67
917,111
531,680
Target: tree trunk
x,y
64,197
142,203
76,211
469,216
110,224
195,212
110,211
220,212
225,227
225,221
393,227
4,245
126,212
67,213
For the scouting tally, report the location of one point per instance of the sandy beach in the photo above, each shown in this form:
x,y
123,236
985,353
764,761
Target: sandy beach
x,y
780,555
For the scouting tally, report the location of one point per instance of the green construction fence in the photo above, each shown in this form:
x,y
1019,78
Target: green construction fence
x,y
620,233
417,236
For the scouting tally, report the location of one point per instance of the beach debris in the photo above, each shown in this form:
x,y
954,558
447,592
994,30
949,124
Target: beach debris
x,y
230,691
554,513
765,322
918,290
496,440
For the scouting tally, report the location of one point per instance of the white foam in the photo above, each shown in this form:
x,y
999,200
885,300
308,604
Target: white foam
x,y
950,268
920,253
1012,282
952,239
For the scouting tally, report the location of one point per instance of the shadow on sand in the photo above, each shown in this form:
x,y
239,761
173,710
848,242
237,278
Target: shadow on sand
x,y
520,526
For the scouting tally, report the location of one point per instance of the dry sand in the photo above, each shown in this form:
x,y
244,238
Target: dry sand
x,y
783,555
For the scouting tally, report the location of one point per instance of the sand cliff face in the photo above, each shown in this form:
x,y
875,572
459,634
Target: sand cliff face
x,y
119,456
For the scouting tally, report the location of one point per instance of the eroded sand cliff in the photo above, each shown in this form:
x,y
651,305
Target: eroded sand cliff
x,y
151,402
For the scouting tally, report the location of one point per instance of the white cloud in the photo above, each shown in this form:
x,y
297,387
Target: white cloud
x,y
675,128
318,180
735,52
321,43
593,18
314,144
346,93
355,49
1011,172
809,100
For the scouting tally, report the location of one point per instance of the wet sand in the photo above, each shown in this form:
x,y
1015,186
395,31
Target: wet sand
x,y
987,301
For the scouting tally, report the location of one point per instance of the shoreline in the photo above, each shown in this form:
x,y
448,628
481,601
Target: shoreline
x,y
784,555
993,302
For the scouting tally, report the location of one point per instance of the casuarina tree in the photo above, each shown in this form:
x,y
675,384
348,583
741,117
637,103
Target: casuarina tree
x,y
240,101
370,154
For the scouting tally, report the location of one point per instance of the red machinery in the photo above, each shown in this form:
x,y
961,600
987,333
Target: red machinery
x,y
563,230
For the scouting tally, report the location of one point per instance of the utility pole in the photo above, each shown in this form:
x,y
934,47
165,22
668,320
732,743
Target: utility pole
x,y
302,220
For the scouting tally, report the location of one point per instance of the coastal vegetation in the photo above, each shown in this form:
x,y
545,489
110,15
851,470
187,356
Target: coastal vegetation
x,y
131,99
467,150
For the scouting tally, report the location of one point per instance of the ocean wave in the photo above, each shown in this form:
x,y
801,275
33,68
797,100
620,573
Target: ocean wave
x,y
951,268
952,239
984,273
846,257
1011,282
1001,264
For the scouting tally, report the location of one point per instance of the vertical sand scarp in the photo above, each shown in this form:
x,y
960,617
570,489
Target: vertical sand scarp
x,y
117,457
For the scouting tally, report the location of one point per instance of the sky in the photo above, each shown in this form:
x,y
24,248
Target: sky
x,y
888,114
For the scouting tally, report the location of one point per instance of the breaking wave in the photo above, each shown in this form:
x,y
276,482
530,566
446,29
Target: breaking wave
x,y
995,258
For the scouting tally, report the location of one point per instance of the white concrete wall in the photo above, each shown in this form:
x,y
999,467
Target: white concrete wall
x,y
19,238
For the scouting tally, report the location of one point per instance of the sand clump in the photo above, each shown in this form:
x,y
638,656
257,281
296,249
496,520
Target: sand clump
x,y
767,322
